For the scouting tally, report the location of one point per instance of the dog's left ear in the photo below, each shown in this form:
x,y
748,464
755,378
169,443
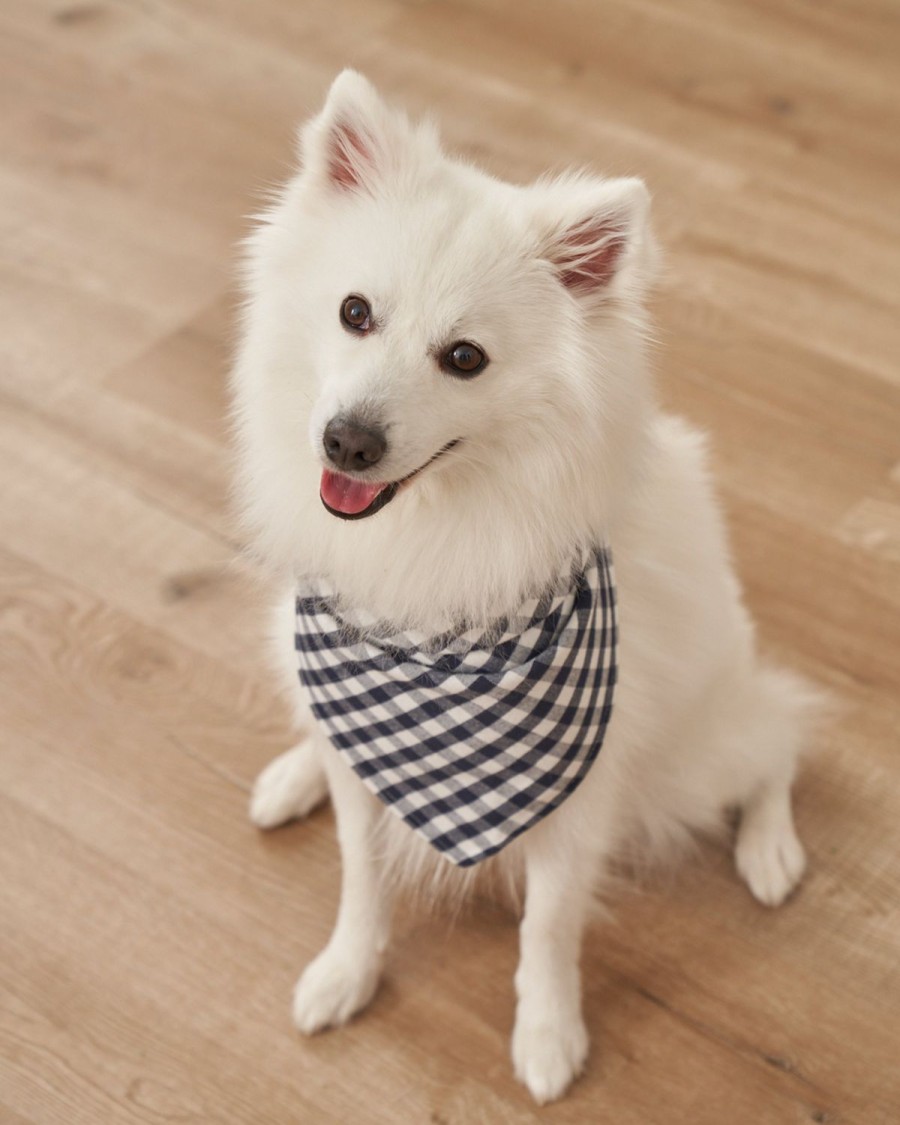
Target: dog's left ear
x,y
357,140
596,235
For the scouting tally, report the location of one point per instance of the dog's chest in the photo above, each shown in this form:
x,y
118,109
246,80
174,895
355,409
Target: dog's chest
x,y
470,739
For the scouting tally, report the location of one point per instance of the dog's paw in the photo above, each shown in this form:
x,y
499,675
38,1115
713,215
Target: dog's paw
x,y
548,1055
289,787
332,989
769,857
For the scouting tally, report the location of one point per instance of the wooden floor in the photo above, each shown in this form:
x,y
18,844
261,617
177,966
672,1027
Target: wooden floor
x,y
149,937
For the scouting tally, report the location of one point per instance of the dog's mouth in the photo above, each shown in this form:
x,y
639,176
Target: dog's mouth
x,y
349,498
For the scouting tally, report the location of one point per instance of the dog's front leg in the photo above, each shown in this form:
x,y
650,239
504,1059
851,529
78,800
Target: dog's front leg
x,y
550,1041
343,978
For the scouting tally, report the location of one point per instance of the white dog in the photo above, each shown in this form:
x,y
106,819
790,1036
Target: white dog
x,y
444,413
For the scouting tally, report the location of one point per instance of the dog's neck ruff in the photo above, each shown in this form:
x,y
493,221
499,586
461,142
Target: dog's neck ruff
x,y
470,739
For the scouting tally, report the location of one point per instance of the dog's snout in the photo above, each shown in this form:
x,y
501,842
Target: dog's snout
x,y
352,447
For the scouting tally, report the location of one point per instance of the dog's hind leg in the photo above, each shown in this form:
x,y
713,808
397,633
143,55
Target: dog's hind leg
x,y
343,978
768,855
290,786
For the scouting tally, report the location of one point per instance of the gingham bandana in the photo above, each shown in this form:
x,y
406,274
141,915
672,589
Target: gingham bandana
x,y
474,738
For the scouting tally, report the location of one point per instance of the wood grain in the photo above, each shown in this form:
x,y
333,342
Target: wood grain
x,y
149,936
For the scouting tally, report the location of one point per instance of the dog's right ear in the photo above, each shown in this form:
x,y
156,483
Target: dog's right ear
x,y
355,140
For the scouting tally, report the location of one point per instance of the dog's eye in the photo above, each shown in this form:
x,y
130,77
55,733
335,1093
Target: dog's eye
x,y
465,359
356,314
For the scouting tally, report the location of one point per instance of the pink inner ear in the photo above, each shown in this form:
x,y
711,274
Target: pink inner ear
x,y
588,255
347,156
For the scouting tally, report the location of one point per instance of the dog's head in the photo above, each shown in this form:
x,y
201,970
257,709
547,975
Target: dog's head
x,y
436,338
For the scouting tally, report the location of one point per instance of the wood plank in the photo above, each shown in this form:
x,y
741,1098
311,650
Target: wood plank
x,y
150,936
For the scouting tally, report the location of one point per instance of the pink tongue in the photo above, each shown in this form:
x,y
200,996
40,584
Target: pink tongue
x,y
345,494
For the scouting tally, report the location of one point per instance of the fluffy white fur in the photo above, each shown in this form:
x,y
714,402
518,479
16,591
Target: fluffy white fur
x,y
561,445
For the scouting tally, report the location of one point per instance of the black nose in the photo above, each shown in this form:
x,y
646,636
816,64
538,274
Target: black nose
x,y
353,447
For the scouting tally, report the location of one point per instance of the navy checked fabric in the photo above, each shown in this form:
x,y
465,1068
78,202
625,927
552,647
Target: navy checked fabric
x,y
470,739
